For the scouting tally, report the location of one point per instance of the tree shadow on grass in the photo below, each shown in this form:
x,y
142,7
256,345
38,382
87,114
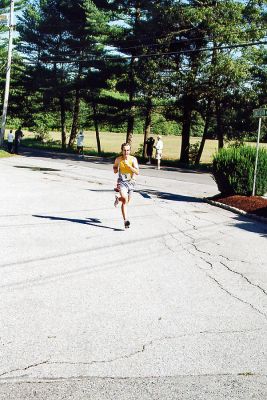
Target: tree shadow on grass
x,y
251,225
88,221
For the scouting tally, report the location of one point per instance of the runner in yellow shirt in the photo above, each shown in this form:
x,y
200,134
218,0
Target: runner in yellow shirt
x,y
127,168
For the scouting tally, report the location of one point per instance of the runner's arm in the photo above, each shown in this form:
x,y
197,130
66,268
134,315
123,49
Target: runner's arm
x,y
116,166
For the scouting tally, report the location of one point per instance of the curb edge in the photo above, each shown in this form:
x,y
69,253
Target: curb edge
x,y
235,210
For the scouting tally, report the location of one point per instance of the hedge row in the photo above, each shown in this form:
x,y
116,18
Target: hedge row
x,y
233,170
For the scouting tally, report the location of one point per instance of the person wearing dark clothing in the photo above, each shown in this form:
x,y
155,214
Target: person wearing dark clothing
x,y
149,148
18,136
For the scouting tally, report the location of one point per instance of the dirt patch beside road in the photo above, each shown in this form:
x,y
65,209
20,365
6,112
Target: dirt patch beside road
x,y
251,204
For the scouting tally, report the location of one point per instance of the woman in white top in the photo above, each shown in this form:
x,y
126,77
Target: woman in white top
x,y
159,148
80,139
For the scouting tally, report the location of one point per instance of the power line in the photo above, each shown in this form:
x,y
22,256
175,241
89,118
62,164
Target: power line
x,y
138,36
182,40
151,55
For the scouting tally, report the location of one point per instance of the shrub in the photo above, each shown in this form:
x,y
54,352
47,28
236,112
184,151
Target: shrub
x,y
162,126
139,152
42,125
233,170
193,151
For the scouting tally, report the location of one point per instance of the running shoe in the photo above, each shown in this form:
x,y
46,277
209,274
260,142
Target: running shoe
x,y
116,202
127,224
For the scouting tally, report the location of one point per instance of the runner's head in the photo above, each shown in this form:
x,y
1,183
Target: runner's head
x,y
126,149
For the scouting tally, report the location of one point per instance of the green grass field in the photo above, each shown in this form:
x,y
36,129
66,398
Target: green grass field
x,y
111,142
4,153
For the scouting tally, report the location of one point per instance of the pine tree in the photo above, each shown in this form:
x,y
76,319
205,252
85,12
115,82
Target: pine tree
x,y
63,38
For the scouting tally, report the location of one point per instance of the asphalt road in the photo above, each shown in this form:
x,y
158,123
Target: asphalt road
x,y
173,308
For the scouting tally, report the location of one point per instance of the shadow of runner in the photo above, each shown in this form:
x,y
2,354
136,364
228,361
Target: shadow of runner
x,y
87,221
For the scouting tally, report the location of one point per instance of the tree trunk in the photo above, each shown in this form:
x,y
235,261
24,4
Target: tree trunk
x,y
96,127
75,119
187,112
63,122
147,126
205,133
131,115
203,140
130,126
131,110
219,128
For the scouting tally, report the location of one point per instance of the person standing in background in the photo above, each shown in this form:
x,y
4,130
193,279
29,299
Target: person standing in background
x,y
159,149
149,148
18,136
10,140
80,139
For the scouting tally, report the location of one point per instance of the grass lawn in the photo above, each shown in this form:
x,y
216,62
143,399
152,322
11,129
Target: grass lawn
x,y
4,153
111,142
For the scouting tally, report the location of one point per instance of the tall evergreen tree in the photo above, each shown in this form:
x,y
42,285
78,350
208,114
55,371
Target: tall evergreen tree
x,y
63,38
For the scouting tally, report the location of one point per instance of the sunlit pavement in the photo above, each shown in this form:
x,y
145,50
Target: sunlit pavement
x,y
173,308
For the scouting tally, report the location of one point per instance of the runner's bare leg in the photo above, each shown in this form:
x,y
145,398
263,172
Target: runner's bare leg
x,y
124,201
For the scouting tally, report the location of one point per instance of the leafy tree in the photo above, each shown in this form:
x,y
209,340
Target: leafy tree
x,y
63,38
121,61
209,68
131,39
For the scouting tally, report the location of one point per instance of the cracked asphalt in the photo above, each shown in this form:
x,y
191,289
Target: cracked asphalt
x,y
173,308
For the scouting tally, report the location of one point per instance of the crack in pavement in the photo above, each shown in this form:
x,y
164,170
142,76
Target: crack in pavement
x,y
45,379
202,258
167,245
207,262
228,268
200,251
244,277
24,369
188,221
219,284
211,264
235,260
238,298
132,354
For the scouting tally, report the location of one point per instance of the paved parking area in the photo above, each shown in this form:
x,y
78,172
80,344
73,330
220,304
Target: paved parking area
x,y
173,308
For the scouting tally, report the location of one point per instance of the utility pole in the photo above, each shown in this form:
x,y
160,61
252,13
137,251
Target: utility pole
x,y
8,71
261,113
257,156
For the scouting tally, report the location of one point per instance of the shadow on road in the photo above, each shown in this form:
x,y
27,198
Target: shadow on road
x,y
148,194
59,155
87,221
28,152
251,225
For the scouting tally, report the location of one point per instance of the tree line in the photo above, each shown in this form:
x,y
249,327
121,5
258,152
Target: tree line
x,y
121,62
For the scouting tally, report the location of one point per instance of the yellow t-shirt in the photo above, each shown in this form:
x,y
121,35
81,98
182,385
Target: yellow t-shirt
x,y
124,170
